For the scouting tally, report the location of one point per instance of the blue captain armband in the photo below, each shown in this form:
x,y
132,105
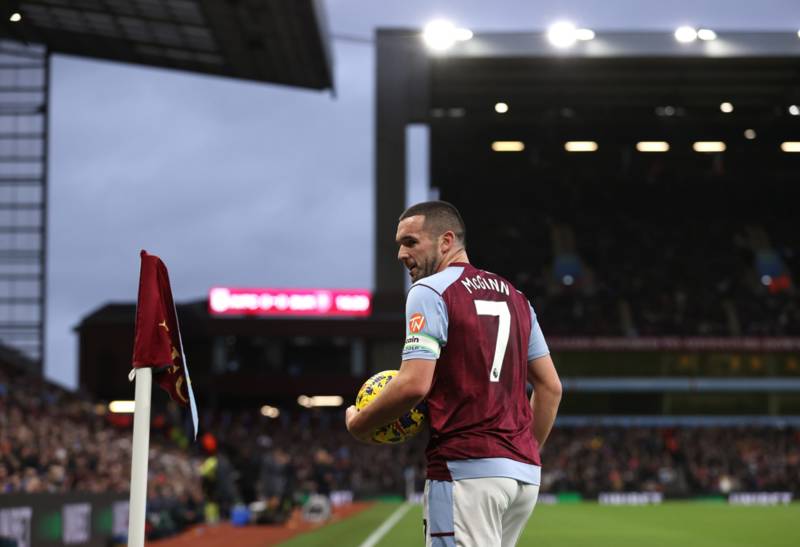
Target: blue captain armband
x,y
421,346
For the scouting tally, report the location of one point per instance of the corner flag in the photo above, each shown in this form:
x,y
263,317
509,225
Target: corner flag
x,y
157,341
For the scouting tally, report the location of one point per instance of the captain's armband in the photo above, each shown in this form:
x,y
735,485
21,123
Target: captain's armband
x,y
421,345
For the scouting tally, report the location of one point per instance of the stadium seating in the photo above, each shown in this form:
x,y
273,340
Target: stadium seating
x,y
710,256
52,441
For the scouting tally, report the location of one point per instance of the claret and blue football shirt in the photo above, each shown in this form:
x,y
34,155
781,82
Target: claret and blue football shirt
x,y
482,332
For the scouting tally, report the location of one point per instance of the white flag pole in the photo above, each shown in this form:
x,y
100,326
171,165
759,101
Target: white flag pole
x,y
141,449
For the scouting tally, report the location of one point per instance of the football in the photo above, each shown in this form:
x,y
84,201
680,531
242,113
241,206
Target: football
x,y
402,429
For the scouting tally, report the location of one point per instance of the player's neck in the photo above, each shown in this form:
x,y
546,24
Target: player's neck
x,y
458,256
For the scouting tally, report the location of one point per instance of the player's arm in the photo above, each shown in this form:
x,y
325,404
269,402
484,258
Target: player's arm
x,y
546,396
403,393
542,375
426,333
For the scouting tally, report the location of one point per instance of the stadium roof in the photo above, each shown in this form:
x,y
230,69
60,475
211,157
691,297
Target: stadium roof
x,y
616,71
276,41
628,44
620,86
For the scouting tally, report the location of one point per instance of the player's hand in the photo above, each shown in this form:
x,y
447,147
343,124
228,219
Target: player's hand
x,y
349,419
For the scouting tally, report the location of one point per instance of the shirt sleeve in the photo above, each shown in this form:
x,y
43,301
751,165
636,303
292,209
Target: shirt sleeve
x,y
426,324
537,347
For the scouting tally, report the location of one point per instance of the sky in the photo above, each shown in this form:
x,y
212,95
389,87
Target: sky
x,y
256,185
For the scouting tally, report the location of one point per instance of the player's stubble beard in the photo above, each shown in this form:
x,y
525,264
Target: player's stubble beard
x,y
429,266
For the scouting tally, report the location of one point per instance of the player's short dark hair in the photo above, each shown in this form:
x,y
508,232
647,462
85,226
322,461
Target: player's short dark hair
x,y
440,216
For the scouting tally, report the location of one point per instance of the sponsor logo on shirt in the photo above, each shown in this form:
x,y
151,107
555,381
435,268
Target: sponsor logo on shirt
x,y
416,323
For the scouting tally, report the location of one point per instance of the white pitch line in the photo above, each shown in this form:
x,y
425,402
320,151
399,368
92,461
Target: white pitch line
x,y
387,525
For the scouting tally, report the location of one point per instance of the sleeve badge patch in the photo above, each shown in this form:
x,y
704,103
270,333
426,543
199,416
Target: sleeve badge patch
x,y
416,323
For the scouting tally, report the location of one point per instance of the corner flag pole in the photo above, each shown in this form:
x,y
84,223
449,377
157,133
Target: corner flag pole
x,y
141,449
157,343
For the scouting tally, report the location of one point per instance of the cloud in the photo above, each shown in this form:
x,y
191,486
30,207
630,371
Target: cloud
x,y
230,182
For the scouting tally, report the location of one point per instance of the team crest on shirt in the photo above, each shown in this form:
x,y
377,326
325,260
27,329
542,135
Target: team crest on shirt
x,y
416,323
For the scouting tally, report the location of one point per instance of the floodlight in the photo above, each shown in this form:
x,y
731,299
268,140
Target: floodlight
x,y
709,146
508,146
270,411
562,34
652,146
706,34
580,146
440,35
122,407
686,34
791,147
319,400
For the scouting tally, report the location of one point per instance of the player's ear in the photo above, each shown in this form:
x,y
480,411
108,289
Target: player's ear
x,y
446,243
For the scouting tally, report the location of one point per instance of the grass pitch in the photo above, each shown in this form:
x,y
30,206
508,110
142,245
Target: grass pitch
x,y
673,524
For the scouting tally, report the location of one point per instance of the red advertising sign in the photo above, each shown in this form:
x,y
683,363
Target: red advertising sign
x,y
291,302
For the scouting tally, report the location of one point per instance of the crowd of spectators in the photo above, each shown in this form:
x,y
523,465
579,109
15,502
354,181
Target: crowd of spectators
x,y
675,461
52,441
667,258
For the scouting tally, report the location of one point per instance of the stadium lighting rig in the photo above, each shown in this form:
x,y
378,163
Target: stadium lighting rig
x,y
687,34
441,34
564,34
501,108
15,17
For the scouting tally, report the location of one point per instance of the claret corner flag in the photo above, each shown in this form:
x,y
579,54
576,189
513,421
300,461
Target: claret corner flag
x,y
157,340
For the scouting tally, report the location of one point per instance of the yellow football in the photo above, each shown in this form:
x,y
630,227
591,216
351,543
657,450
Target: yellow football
x,y
402,429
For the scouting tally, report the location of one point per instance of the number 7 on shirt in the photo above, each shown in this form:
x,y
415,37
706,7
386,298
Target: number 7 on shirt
x,y
499,310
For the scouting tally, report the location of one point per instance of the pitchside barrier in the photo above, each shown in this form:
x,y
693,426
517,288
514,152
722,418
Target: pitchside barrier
x,y
54,520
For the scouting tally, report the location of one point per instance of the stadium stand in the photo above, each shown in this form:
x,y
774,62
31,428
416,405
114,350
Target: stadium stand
x,y
54,441
628,257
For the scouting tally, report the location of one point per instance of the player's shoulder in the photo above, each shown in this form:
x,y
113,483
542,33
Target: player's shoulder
x,y
439,282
